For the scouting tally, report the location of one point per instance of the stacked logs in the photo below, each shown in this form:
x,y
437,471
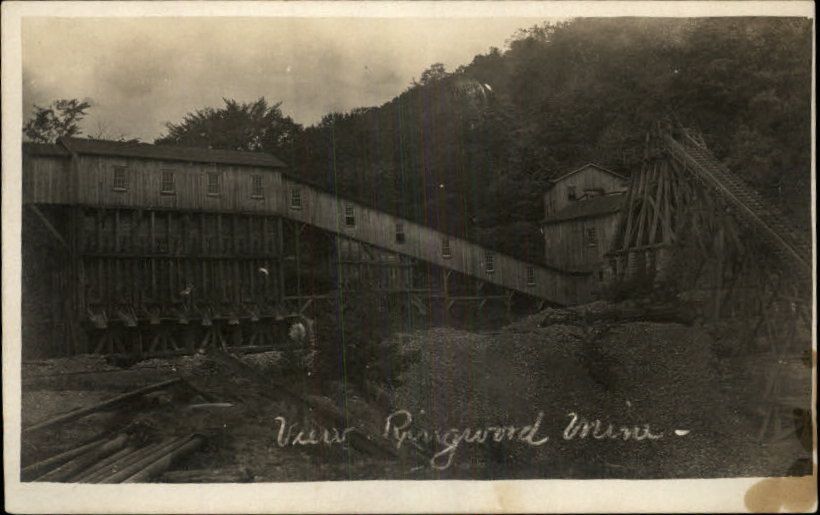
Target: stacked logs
x,y
118,459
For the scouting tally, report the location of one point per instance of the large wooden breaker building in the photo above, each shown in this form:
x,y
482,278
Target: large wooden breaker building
x,y
138,248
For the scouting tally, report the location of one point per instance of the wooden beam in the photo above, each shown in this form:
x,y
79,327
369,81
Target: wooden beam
x,y
113,401
51,229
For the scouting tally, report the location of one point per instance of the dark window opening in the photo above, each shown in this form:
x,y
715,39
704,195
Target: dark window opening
x,y
530,276
296,198
489,262
350,216
445,247
592,237
120,178
167,185
213,183
571,195
399,232
256,186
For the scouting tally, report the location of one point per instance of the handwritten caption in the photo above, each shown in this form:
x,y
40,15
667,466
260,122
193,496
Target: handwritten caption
x,y
400,430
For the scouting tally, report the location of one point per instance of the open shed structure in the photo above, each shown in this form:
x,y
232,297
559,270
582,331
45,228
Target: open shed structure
x,y
145,250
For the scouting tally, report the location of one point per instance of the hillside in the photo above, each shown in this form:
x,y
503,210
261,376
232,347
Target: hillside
x,y
471,151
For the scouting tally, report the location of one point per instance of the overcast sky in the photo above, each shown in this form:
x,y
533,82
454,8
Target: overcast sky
x,y
141,73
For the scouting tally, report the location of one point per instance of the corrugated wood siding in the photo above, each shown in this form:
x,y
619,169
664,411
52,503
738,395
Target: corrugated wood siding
x,y
45,179
320,209
556,198
566,245
190,180
327,212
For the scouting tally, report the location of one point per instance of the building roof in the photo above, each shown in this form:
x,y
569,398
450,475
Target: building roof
x,y
169,152
588,208
45,149
594,165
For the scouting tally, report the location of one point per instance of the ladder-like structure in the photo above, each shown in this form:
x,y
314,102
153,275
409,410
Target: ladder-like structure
x,y
692,223
664,190
787,242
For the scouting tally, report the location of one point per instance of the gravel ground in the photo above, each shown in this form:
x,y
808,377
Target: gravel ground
x,y
665,375
629,375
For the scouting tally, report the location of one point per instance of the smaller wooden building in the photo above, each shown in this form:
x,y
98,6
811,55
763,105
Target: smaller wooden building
x,y
581,215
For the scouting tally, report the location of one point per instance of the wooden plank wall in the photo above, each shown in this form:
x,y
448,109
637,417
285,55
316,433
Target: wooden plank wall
x,y
556,198
45,179
318,208
327,212
567,246
144,177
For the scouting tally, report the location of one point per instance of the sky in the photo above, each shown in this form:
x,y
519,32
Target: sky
x,y
140,73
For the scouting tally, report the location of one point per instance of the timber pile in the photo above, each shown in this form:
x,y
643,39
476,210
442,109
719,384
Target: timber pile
x,y
125,457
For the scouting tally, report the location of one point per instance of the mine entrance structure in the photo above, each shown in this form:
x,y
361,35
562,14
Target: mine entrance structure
x,y
691,226
144,250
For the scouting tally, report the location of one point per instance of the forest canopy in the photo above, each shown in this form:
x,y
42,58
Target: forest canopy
x,y
471,150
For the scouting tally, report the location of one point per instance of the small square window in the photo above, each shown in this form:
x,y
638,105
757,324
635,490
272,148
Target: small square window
x,y
350,216
530,275
213,183
592,237
399,232
489,262
167,185
256,186
296,198
445,247
120,178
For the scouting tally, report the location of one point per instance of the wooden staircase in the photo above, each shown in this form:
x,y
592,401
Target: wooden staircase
x,y
786,241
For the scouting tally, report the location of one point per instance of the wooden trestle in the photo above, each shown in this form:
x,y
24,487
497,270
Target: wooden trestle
x,y
692,223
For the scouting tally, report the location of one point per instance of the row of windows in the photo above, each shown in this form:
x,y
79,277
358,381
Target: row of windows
x,y
168,186
213,185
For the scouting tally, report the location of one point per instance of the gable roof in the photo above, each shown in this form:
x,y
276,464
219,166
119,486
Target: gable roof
x,y
588,208
169,152
44,149
594,165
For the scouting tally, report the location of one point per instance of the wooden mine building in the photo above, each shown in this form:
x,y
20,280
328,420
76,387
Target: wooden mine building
x,y
582,208
155,250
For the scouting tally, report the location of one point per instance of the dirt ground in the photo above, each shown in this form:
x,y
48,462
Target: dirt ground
x,y
702,408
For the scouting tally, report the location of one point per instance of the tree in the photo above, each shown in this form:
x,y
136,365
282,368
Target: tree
x,y
254,127
435,72
60,118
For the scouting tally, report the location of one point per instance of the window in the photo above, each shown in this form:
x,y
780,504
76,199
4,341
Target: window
x,y
592,237
213,183
399,232
571,195
167,185
489,262
445,247
296,198
120,178
350,216
256,186
530,275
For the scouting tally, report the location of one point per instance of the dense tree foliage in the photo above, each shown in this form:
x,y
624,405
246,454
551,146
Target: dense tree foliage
x,y
254,126
60,118
471,151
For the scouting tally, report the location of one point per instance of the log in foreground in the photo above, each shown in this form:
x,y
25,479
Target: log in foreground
x,y
139,462
164,462
79,413
102,467
85,460
41,467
